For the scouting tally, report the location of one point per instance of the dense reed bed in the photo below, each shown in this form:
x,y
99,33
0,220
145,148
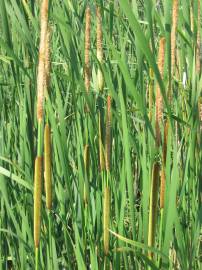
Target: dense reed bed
x,y
101,120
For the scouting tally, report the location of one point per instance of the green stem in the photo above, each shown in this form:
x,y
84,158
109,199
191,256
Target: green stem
x,y
36,258
50,238
160,235
40,139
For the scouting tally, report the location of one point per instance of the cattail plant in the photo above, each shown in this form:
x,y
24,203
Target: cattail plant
x,y
106,210
37,200
42,83
42,67
156,166
100,81
159,99
163,177
87,76
173,35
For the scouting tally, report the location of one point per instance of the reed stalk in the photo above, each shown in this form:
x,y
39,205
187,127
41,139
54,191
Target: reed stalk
x,y
87,71
47,166
156,166
106,219
37,200
153,207
151,91
108,135
100,81
198,41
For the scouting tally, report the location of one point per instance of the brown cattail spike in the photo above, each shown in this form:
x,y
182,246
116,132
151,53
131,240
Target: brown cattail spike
x,y
163,176
37,200
198,42
173,34
106,219
100,78
47,166
41,78
87,50
159,99
108,135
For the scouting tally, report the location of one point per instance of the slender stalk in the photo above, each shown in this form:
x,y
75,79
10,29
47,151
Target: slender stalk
x,y
106,219
108,135
198,42
47,166
87,50
151,91
37,204
153,207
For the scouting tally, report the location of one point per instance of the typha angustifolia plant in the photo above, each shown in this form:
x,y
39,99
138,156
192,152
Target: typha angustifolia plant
x,y
156,166
87,78
107,196
100,84
104,148
41,86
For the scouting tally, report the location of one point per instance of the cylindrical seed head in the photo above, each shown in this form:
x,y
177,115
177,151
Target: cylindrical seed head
x,y
159,99
37,200
41,78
